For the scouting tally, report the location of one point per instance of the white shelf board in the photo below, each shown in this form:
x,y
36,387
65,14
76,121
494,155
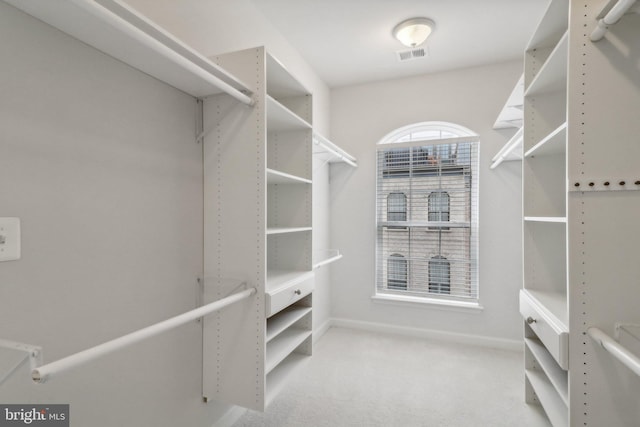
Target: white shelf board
x,y
552,26
552,76
277,279
553,305
555,374
556,219
278,323
280,82
283,345
277,378
280,118
277,177
284,230
117,30
511,115
553,405
330,152
554,143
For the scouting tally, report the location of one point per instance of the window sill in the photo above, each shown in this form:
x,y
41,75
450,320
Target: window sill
x,y
448,305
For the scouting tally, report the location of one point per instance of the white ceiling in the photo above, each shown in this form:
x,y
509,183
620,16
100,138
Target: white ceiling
x,y
349,41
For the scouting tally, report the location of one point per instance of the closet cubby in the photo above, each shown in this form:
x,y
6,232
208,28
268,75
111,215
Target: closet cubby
x,y
258,228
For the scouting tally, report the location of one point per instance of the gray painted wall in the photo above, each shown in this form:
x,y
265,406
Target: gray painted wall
x,y
360,117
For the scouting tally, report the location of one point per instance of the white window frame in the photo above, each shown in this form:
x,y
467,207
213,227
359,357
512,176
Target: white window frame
x,y
441,133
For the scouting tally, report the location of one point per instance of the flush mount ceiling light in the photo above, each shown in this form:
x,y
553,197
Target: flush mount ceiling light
x,y
413,32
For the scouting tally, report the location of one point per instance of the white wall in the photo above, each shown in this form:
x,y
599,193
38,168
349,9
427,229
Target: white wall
x,y
360,116
218,26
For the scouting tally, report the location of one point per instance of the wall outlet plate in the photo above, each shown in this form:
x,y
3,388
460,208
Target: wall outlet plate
x,y
9,239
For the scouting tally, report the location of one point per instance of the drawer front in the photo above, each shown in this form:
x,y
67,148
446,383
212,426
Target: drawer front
x,y
285,296
555,340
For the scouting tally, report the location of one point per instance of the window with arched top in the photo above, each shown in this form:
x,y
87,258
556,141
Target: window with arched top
x,y
427,177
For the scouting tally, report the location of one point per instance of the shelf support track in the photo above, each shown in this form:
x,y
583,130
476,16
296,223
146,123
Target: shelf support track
x,y
33,355
43,373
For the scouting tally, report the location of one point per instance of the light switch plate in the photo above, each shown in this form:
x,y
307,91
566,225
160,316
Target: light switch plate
x,y
9,239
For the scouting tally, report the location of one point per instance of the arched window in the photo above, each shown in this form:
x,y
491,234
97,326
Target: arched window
x,y
439,275
396,207
427,175
397,272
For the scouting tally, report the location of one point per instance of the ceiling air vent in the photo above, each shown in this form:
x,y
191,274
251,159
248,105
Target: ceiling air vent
x,y
408,55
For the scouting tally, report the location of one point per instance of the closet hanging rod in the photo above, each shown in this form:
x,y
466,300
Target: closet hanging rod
x,y
116,29
616,349
507,149
41,374
613,16
334,150
152,43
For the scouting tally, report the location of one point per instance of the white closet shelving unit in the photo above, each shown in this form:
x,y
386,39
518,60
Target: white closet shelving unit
x,y
580,204
511,116
258,226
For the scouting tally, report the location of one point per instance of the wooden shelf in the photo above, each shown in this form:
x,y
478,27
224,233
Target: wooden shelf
x,y
556,375
552,144
556,219
551,401
283,278
119,31
552,26
277,177
283,345
284,230
278,323
278,377
281,119
552,76
281,83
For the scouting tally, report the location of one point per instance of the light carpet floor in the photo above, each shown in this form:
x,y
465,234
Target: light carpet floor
x,y
364,379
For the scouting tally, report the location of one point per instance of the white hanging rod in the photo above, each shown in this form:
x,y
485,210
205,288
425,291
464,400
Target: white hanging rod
x,y
507,149
334,150
613,16
115,29
616,349
41,374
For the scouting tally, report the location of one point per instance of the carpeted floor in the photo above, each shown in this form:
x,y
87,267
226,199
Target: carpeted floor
x,y
363,379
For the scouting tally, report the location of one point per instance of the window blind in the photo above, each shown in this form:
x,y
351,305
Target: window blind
x,y
427,204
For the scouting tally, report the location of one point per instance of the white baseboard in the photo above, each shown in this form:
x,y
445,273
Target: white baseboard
x,y
490,342
231,417
320,331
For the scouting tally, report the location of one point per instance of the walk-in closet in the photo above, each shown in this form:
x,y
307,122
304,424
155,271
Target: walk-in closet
x,y
293,213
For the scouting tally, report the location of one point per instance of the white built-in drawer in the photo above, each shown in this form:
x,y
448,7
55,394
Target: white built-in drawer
x,y
290,292
549,327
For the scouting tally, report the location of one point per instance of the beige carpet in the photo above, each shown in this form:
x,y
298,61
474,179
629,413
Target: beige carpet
x,y
358,378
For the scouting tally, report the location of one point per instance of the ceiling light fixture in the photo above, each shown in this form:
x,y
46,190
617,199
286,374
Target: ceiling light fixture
x,y
413,32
